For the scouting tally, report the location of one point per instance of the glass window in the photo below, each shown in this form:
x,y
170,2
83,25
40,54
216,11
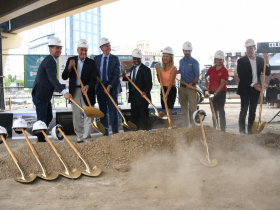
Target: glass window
x,y
94,11
95,19
77,36
83,16
77,27
95,29
95,40
89,27
95,50
89,38
77,16
83,26
88,17
83,35
89,49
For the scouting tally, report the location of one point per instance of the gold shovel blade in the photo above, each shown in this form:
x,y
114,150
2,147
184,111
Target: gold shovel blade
x,y
49,176
129,125
98,126
92,112
160,115
257,127
211,163
26,179
74,174
95,171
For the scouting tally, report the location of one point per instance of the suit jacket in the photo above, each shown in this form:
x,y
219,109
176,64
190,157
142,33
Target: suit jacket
x,y
144,82
88,77
113,72
46,80
244,71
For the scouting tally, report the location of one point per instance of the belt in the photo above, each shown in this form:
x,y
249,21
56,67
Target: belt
x,y
182,85
78,86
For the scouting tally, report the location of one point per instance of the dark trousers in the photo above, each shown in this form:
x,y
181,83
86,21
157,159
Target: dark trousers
x,y
139,114
251,101
219,109
44,113
107,107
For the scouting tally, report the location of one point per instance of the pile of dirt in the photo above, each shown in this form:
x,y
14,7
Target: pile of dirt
x,y
118,152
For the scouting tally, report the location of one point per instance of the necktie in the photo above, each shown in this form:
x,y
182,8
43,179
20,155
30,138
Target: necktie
x,y
104,73
133,77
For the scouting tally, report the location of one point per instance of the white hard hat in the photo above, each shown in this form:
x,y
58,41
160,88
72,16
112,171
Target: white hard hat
x,y
196,116
56,135
3,132
83,43
168,50
249,43
187,46
219,54
38,126
137,53
18,124
103,41
55,41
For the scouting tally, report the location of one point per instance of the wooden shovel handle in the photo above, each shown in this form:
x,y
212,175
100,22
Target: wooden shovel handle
x,y
263,80
213,113
186,84
9,149
51,144
29,144
69,142
202,130
82,85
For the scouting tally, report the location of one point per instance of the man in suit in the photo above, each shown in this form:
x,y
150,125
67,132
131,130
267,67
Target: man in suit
x,y
142,77
45,83
87,71
249,70
108,70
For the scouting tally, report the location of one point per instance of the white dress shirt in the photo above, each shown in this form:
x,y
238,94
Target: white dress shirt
x,y
80,65
253,63
136,71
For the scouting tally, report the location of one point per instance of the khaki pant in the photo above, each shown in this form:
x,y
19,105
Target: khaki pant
x,y
82,126
187,99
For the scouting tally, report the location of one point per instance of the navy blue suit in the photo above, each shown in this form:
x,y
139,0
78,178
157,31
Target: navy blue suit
x,y
113,74
45,83
249,95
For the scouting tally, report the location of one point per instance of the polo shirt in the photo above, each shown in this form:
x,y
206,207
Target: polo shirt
x,y
216,77
189,69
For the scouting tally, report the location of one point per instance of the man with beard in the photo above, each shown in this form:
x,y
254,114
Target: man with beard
x,y
142,77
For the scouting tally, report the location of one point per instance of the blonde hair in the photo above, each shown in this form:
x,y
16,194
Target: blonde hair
x,y
171,62
224,62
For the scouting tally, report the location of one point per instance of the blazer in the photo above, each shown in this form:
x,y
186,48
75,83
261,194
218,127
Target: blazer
x,y
144,82
46,80
244,71
88,77
113,71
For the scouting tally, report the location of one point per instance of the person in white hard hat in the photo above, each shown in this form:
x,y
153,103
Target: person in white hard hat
x,y
45,83
249,69
88,73
217,86
142,77
109,71
168,74
189,70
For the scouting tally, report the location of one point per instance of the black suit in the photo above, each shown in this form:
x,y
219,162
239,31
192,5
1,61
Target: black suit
x,y
139,105
45,83
88,77
249,95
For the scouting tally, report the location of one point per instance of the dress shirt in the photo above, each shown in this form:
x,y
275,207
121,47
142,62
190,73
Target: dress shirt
x,y
64,90
101,66
253,63
189,69
79,69
136,71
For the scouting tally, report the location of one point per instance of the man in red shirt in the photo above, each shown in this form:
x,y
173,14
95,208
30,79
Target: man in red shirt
x,y
218,78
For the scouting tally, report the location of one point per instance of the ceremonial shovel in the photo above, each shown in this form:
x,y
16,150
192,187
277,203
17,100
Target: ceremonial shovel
x,y
208,162
257,127
89,172
157,114
128,124
44,175
97,125
202,95
24,179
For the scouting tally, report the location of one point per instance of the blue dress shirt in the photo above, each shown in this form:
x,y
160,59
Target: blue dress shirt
x,y
189,69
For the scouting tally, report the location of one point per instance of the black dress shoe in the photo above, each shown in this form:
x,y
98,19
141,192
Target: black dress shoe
x,y
80,141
